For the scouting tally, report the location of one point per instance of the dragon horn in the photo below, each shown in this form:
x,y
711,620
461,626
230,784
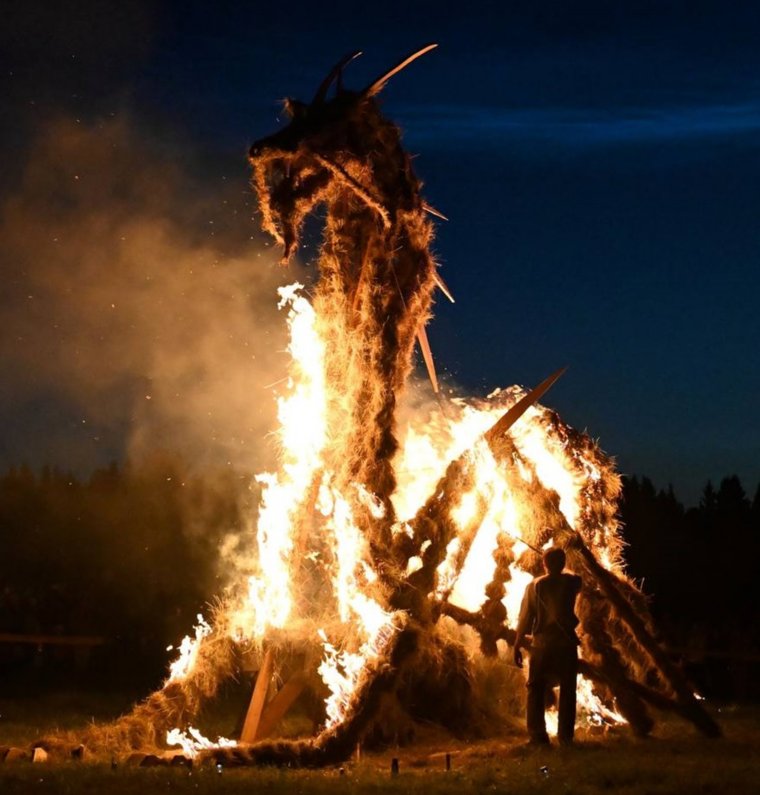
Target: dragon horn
x,y
377,85
443,287
321,94
427,355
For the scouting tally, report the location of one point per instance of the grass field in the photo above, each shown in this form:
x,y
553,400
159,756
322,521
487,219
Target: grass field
x,y
674,760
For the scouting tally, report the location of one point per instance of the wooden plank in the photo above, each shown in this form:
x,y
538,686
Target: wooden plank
x,y
522,405
255,708
277,708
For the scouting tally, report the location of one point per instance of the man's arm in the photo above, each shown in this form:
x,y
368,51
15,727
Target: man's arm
x,y
525,622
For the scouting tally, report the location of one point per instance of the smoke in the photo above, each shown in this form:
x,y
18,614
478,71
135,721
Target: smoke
x,y
139,306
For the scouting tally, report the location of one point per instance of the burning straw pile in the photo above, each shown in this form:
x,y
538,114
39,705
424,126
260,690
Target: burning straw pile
x,y
374,551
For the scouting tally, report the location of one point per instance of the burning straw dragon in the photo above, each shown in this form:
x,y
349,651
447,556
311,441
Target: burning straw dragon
x,y
389,567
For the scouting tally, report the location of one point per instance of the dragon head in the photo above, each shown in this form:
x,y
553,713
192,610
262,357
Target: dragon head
x,y
327,140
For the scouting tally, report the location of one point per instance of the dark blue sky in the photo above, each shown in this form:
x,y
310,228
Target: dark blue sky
x,y
599,163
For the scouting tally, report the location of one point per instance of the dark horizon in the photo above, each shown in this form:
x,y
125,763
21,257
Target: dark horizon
x,y
156,458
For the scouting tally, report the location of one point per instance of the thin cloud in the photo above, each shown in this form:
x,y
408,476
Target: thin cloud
x,y
577,127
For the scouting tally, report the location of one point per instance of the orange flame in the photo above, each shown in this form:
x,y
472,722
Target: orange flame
x,y
351,602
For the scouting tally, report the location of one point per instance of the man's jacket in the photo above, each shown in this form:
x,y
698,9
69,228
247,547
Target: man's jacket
x,y
548,608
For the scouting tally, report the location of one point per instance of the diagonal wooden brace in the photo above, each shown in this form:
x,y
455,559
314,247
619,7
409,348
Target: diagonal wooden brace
x,y
278,707
258,698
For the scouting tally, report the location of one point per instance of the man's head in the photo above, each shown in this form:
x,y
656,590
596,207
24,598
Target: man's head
x,y
554,560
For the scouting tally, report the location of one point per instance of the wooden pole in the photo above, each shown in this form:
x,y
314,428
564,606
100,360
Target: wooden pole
x,y
277,708
595,620
690,707
255,708
654,697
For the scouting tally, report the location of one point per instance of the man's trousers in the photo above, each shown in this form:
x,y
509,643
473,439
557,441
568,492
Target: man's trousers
x,y
552,663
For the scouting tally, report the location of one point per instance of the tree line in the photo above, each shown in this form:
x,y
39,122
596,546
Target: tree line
x,y
129,554
697,563
132,554
700,566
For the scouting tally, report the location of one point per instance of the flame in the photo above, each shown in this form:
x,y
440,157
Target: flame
x,y
356,626
188,651
192,742
501,515
341,670
591,710
302,431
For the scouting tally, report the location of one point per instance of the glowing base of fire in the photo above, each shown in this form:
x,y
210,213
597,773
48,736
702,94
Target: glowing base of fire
x,y
192,742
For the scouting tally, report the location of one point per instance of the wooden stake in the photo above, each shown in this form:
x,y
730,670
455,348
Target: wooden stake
x,y
277,708
253,716
690,707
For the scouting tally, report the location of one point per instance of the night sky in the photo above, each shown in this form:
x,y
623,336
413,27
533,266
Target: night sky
x,y
599,163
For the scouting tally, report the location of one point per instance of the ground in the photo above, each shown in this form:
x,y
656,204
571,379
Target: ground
x,y
674,760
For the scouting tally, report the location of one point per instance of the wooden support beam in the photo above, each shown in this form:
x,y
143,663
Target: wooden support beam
x,y
595,616
258,698
278,707
477,622
592,672
690,708
654,697
531,398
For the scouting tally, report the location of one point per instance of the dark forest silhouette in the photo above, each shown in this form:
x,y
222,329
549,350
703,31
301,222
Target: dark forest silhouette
x,y
133,555
700,566
698,563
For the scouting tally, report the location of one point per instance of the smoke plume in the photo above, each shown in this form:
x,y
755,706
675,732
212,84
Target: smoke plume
x,y
139,305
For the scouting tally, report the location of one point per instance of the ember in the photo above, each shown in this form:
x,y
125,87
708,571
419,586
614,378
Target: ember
x,y
399,553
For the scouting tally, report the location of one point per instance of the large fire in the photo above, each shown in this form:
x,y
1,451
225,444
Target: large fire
x,y
357,627
398,543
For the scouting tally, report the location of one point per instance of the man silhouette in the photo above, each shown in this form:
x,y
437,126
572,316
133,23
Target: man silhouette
x,y
548,615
